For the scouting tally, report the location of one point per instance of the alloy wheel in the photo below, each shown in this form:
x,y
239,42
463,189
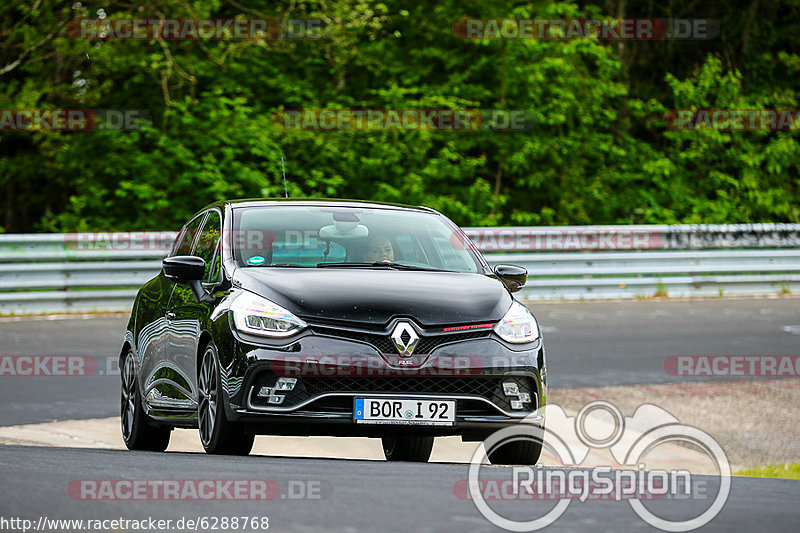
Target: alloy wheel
x,y
207,408
128,397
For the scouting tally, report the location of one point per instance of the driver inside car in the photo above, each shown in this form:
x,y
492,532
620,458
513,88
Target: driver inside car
x,y
380,249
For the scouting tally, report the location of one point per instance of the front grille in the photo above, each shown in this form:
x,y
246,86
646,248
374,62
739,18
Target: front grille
x,y
383,342
410,385
489,387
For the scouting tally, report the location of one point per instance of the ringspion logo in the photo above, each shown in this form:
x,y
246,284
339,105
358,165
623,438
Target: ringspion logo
x,y
598,425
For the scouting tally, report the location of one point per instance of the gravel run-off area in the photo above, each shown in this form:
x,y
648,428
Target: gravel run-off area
x,y
755,421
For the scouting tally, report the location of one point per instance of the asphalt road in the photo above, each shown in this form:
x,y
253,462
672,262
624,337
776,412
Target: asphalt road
x,y
588,344
608,343
348,495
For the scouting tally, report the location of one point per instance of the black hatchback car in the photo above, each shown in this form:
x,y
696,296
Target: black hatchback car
x,y
328,317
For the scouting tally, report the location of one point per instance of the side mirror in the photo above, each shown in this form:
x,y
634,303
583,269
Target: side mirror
x,y
512,276
187,269
184,268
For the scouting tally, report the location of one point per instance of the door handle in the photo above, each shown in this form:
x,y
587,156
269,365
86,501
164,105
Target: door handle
x,y
171,315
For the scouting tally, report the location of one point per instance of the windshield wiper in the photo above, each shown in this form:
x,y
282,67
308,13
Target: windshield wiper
x,y
292,265
384,264
400,266
356,265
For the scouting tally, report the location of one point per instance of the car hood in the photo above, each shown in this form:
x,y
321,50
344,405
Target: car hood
x,y
375,296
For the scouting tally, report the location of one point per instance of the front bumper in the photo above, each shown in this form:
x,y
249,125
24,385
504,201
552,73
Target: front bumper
x,y
334,367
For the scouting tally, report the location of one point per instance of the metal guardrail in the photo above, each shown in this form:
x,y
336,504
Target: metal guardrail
x,y
644,237
600,275
55,273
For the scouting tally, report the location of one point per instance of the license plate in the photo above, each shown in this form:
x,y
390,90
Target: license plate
x,y
404,412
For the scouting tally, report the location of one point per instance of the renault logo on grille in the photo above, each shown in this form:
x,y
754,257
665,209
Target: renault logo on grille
x,y
405,339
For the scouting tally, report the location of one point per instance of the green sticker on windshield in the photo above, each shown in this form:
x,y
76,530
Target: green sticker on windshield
x,y
256,260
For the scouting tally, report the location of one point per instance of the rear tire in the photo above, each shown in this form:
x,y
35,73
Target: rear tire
x,y
402,448
138,431
217,434
518,452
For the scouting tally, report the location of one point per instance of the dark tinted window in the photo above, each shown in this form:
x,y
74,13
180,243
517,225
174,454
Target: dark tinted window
x,y
188,235
310,235
208,244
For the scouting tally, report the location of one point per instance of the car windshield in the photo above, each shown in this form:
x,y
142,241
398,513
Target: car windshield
x,y
348,237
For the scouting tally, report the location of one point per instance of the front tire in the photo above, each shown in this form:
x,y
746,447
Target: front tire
x,y
138,431
217,434
519,452
402,448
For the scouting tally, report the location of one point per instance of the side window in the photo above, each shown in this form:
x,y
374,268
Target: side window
x,y
173,250
184,247
208,244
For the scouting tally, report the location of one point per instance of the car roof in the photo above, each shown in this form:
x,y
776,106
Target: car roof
x,y
318,202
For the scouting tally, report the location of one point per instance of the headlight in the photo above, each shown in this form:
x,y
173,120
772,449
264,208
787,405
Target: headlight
x,y
258,316
518,326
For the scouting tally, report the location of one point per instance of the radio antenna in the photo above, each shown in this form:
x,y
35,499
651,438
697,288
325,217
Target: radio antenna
x,y
285,190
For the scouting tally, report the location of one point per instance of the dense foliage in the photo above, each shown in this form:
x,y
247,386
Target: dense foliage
x,y
599,152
